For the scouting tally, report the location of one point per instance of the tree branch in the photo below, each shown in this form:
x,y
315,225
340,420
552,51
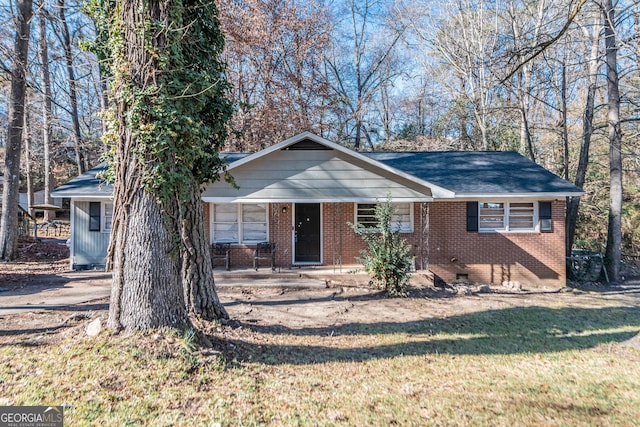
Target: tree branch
x,y
548,43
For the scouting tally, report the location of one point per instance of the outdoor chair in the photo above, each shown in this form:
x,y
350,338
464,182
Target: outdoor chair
x,y
264,251
221,252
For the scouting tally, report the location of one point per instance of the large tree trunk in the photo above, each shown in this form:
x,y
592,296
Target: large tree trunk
x,y
614,235
47,111
10,196
573,204
73,97
147,289
159,251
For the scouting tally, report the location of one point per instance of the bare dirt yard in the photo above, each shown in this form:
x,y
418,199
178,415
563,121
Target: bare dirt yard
x,y
325,310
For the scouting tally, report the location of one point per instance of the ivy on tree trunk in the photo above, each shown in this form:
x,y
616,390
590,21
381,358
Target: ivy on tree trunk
x,y
168,120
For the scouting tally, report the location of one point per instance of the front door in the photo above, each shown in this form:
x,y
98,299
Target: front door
x,y
307,233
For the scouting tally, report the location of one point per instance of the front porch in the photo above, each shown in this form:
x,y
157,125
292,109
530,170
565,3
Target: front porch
x,y
334,276
308,234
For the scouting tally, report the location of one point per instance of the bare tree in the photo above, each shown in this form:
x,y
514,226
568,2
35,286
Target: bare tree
x,y
274,52
526,22
65,39
463,36
356,68
10,196
592,67
614,235
47,109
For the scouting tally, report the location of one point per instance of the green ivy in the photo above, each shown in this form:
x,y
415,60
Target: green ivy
x,y
179,121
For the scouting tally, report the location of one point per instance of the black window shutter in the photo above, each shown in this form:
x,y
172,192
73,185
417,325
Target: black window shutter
x,y
546,224
472,216
94,216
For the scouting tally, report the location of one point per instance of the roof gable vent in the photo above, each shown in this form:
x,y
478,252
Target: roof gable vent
x,y
307,144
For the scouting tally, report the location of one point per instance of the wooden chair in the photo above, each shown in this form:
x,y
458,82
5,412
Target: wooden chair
x,y
221,251
264,251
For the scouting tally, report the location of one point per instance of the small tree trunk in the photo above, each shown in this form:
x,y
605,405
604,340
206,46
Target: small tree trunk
x,y
573,204
357,144
47,112
614,235
525,132
10,195
73,97
27,159
565,127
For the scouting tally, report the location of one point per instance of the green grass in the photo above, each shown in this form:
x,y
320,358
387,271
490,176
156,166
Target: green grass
x,y
517,366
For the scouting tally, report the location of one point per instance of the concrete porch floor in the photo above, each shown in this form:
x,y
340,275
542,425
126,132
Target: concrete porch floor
x,y
303,277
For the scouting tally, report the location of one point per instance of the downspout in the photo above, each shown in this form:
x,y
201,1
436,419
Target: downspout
x,y
72,233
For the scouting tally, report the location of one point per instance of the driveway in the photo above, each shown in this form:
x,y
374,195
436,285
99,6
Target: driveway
x,y
57,291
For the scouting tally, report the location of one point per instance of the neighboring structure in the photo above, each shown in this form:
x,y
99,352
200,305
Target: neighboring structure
x,y
485,217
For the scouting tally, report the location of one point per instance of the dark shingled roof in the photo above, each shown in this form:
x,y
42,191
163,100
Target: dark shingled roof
x,y
463,172
85,185
90,185
473,172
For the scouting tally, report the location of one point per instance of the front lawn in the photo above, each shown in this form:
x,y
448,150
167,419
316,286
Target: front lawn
x,y
512,360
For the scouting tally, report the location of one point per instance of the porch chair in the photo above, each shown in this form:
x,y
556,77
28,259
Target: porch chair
x,y
265,251
221,252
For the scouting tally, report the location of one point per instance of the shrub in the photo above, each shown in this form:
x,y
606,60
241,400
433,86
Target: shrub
x,y
387,258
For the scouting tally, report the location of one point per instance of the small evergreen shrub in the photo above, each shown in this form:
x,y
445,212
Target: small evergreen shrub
x,y
388,257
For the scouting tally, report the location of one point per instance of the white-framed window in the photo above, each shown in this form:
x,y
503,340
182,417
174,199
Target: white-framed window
x,y
239,223
402,216
107,217
507,216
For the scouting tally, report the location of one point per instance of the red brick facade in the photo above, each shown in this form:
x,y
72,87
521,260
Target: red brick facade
x,y
533,259
450,251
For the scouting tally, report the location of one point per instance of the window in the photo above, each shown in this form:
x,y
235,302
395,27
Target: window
x,y
546,223
403,215
521,216
100,216
366,215
94,216
507,216
491,216
239,223
107,216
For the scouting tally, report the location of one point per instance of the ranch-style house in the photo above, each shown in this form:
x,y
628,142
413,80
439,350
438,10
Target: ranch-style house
x,y
485,217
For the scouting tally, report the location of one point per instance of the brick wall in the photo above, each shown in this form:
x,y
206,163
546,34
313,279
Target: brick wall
x,y
341,243
533,259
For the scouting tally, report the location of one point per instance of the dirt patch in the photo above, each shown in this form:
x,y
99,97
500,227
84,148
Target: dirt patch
x,y
318,311
35,260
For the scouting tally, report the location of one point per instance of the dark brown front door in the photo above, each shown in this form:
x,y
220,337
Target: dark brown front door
x,y
307,233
